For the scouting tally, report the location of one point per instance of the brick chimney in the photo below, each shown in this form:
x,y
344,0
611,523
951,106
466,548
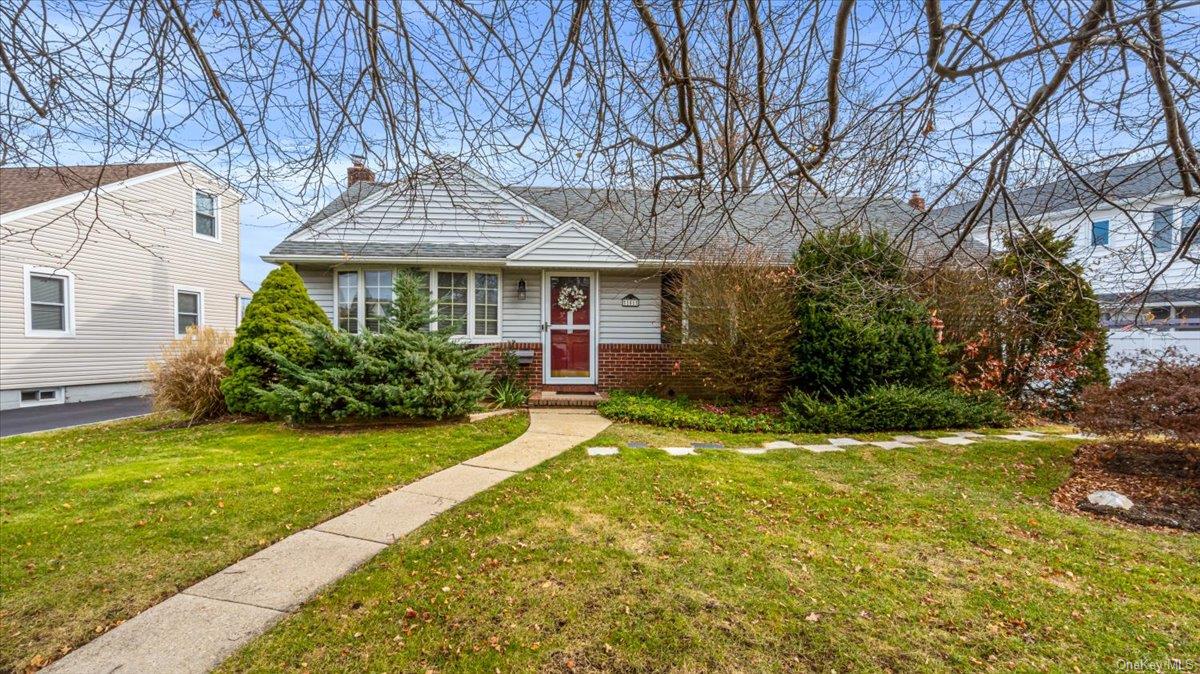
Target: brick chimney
x,y
358,171
916,201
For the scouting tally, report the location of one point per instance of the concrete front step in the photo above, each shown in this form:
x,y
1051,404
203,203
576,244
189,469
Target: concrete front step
x,y
556,399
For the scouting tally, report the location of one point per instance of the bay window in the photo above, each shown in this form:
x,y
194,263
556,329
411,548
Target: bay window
x,y
466,304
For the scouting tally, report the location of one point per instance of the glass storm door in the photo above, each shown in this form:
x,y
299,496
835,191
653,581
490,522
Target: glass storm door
x,y
569,329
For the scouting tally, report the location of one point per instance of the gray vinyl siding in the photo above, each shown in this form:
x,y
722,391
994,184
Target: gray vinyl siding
x,y
140,244
630,325
319,283
522,319
457,212
571,246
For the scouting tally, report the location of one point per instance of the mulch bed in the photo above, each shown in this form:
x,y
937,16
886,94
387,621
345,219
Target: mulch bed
x,y
1162,480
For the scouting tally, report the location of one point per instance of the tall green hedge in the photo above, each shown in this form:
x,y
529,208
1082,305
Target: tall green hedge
x,y
858,326
271,323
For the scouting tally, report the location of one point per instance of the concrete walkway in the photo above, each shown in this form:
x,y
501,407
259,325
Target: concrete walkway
x,y
195,630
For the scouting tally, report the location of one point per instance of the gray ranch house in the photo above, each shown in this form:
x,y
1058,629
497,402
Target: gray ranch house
x,y
574,280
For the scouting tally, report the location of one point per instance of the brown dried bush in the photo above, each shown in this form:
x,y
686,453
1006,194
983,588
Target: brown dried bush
x,y
1159,400
188,377
733,325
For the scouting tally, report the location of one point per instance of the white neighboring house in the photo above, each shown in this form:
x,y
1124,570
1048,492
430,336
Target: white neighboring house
x,y
1127,223
100,266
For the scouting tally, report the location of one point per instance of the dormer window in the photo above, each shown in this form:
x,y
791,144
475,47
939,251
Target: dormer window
x,y
206,215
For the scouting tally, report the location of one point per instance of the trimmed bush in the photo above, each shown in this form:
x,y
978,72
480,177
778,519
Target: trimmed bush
x,y
271,324
884,408
392,374
683,413
857,327
894,408
188,377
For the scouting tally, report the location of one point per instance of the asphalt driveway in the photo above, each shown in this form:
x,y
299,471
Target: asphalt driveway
x,y
49,417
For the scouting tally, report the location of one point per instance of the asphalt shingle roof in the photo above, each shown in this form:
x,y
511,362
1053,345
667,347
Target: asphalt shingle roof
x,y
1077,192
681,226
21,187
372,249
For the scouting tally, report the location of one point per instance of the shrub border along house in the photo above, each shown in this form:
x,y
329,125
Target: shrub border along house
x,y
885,408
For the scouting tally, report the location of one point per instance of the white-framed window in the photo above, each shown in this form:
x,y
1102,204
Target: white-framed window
x,y
486,317
41,396
347,301
49,302
189,309
378,299
206,224
452,296
470,301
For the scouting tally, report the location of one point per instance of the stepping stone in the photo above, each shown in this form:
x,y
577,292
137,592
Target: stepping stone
x,y
956,440
844,442
780,444
603,451
890,444
637,445
284,575
708,445
909,438
1082,436
1013,436
1033,433
969,434
679,451
751,450
823,448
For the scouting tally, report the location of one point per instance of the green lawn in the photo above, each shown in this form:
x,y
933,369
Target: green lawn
x,y
937,558
101,523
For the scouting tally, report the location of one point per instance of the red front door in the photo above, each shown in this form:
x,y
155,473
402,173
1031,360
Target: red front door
x,y
570,327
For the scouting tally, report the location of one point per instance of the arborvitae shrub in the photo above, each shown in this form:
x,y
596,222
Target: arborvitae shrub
x,y
857,325
272,323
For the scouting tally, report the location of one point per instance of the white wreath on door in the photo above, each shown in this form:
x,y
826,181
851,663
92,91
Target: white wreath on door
x,y
571,298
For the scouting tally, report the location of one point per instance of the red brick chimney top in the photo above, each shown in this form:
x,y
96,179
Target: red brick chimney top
x,y
916,201
358,171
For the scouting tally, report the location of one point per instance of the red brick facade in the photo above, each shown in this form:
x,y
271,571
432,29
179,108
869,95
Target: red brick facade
x,y
621,366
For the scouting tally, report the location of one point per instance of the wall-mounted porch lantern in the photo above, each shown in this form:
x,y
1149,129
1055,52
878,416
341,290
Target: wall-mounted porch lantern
x,y
630,300
521,289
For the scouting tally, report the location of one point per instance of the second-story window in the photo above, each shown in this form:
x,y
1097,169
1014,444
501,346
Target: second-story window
x,y
1100,233
1162,231
206,215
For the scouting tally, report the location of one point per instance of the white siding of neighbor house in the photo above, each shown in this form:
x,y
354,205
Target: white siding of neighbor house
x,y
459,211
139,246
630,325
521,319
571,246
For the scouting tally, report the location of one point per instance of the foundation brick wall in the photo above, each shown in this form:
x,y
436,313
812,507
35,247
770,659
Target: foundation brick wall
x,y
621,366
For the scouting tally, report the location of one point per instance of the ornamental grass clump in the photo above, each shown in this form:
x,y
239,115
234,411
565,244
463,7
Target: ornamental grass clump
x,y
188,377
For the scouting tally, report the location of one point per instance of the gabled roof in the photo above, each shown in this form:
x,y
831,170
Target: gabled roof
x,y
22,187
1118,184
587,248
677,226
